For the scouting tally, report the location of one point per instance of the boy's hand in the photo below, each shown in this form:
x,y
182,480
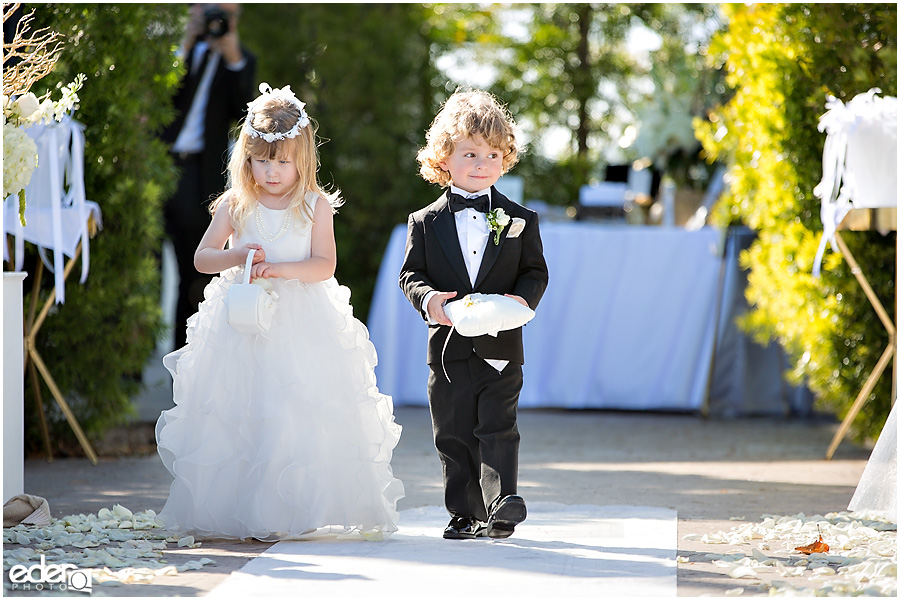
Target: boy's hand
x,y
518,299
436,307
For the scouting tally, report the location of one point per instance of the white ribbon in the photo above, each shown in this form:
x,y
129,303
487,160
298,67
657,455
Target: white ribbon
x,y
837,121
56,210
77,198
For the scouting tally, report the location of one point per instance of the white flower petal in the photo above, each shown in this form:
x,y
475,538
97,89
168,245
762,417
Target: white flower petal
x,y
742,571
755,553
27,104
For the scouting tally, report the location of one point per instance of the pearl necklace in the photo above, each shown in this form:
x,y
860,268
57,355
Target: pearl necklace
x,y
286,222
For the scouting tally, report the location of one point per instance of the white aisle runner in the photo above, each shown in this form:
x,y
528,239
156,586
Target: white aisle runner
x,y
560,551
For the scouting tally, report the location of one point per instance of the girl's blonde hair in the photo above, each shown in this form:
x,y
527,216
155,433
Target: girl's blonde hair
x,y
466,114
274,115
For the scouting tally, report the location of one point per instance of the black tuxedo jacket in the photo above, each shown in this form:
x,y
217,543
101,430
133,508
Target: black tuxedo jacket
x,y
229,93
434,262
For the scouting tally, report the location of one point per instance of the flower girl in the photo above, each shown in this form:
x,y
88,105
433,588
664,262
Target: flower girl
x,y
281,434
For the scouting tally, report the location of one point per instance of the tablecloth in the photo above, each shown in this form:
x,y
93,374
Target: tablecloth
x,y
627,321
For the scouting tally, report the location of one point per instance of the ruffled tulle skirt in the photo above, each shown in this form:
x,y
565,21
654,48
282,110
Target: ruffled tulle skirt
x,y
279,435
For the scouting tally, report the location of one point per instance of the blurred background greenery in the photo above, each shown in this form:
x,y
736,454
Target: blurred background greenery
x,y
591,85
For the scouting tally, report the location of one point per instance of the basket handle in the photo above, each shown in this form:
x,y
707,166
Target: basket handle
x,y
247,265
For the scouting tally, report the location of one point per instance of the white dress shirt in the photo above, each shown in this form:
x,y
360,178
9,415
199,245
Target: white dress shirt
x,y
190,138
473,234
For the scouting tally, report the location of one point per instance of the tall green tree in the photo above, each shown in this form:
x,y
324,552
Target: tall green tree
x,y
567,73
365,71
573,67
783,61
97,343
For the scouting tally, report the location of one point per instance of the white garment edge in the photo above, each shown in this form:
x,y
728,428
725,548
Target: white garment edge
x,y
190,138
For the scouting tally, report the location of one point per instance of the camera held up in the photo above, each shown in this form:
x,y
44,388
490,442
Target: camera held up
x,y
216,22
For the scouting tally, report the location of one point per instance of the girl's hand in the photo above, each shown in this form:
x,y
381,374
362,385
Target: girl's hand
x,y
264,270
258,257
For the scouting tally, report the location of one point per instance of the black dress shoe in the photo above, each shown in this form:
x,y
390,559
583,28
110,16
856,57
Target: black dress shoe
x,y
463,528
505,515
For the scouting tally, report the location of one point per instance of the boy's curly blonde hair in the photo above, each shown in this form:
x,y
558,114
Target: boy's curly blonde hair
x,y
467,114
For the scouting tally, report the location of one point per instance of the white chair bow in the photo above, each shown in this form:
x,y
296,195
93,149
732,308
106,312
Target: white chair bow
x,y
861,152
56,211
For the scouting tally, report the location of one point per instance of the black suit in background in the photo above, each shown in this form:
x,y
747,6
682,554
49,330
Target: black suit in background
x,y
202,175
474,417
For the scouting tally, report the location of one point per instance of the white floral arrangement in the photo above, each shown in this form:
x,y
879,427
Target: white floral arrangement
x,y
497,220
19,150
36,53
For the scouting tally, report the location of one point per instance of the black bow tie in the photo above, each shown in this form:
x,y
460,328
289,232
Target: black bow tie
x,y
479,203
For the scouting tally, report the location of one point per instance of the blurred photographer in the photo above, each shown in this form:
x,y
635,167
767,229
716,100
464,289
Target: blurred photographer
x,y
218,83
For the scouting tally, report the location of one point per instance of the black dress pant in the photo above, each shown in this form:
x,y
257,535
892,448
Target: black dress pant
x,y
187,218
475,432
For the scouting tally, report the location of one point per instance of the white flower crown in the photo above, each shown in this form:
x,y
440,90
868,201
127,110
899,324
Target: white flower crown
x,y
286,94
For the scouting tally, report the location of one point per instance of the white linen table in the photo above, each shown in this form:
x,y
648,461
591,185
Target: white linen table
x,y
627,321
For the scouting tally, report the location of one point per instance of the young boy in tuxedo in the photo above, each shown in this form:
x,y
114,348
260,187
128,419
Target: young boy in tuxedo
x,y
453,250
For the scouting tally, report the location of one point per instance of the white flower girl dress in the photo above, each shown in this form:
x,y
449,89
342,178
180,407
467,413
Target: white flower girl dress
x,y
283,434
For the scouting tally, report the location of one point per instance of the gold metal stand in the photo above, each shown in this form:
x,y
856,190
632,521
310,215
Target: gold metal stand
x,y
32,326
889,352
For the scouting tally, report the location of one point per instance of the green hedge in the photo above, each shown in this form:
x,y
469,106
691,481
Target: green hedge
x,y
365,72
97,343
782,61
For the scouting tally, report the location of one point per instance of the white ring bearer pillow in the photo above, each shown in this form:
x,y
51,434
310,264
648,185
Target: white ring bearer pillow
x,y
486,314
483,314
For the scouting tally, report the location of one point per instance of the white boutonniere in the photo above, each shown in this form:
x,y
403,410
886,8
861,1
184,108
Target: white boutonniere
x,y
517,227
497,219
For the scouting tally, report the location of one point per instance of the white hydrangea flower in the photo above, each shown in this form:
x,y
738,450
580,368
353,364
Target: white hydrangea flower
x,y
19,159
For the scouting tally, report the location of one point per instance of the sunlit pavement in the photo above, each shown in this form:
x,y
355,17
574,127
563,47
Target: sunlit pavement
x,y
713,474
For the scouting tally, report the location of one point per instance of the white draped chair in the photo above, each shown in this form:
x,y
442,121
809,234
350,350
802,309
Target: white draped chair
x,y
58,219
859,172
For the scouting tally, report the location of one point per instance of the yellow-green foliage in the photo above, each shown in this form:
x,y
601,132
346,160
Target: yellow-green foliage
x,y
782,61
